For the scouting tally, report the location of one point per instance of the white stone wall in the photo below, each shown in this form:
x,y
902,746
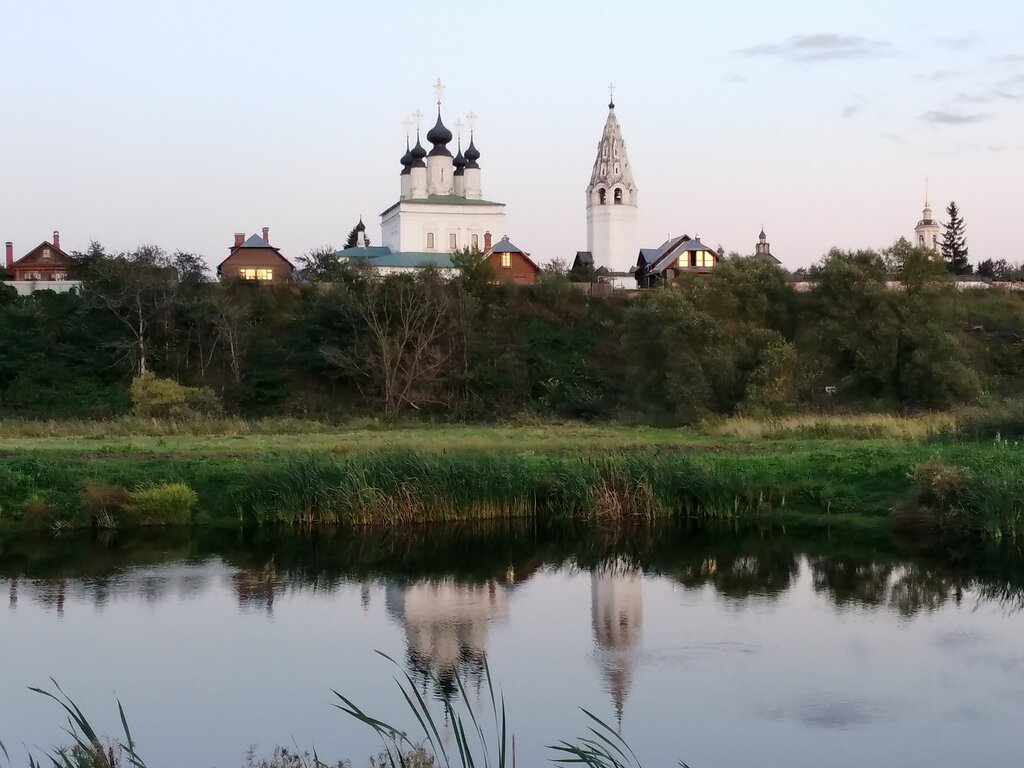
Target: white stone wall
x,y
405,226
28,287
612,236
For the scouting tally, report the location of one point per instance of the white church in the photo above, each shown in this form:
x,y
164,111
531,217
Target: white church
x,y
440,208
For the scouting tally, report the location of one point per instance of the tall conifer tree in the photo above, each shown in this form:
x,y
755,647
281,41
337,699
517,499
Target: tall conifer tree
x,y
954,242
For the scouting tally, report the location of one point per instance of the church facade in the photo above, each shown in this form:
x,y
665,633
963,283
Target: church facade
x,y
441,207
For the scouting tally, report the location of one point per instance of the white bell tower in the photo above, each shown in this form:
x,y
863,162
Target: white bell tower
x,y
612,202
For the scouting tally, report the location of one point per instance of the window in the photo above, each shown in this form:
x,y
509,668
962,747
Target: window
x,y
476,242
453,242
600,196
430,241
506,261
618,196
256,273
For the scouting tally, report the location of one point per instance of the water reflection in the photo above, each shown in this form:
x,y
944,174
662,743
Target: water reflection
x,y
617,614
442,600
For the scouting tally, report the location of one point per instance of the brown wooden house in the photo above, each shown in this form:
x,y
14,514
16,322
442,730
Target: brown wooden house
x,y
255,259
45,262
512,264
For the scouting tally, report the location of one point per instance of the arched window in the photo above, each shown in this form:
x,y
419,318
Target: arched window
x,y
430,241
618,196
600,196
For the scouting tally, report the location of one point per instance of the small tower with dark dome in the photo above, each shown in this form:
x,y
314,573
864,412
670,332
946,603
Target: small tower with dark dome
x,y
927,231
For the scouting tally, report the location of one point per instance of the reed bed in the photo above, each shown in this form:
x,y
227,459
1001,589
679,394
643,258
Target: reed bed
x,y
826,482
864,426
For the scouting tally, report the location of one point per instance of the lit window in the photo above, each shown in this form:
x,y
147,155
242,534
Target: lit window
x,y
506,260
476,242
256,273
430,241
453,242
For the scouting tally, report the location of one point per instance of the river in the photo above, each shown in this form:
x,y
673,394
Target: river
x,y
719,649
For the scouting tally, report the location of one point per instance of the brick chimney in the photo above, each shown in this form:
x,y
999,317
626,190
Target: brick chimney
x,y
10,255
266,234
56,239
239,238
487,241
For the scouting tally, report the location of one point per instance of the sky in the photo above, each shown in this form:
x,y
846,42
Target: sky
x,y
180,123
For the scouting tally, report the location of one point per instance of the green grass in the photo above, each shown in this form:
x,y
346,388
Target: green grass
x,y
841,470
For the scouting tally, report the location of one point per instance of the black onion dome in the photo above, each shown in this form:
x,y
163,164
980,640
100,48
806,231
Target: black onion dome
x,y
472,155
417,154
439,136
460,163
406,160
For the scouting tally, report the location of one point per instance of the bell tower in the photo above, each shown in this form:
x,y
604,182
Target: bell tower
x,y
927,231
612,201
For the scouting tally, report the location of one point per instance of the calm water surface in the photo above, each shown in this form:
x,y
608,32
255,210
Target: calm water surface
x,y
720,651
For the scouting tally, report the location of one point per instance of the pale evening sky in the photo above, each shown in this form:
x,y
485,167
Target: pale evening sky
x,y
179,123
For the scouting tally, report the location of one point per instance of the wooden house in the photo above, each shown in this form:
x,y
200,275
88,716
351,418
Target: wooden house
x,y
512,264
254,258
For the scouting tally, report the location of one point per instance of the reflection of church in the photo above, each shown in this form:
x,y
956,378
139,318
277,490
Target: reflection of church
x,y
617,614
446,625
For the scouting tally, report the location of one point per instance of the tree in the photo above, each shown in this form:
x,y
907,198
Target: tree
x,y
954,243
411,340
139,290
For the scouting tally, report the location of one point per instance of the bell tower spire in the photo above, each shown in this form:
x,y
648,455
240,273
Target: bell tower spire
x,y
612,200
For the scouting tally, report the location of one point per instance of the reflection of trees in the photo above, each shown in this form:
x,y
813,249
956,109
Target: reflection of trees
x,y
738,575
847,580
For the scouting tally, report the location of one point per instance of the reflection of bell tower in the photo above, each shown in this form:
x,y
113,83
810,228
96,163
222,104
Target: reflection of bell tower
x,y
617,613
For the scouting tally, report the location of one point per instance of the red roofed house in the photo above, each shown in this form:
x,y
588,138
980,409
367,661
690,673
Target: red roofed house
x,y
255,259
511,264
45,262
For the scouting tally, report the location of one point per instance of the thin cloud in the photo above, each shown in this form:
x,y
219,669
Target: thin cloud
x,y
821,47
958,43
940,117
941,75
851,111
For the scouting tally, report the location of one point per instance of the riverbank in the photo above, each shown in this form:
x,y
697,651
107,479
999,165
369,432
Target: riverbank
x,y
408,475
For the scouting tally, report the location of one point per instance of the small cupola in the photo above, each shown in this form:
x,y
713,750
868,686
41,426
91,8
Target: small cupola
x,y
472,154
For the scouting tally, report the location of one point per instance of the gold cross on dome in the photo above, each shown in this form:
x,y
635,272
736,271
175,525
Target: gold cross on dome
x,y
438,90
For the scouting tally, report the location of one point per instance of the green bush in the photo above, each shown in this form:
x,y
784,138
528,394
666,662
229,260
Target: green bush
x,y
155,397
166,504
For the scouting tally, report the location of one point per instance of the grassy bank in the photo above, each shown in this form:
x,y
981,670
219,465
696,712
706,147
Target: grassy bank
x,y
576,471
